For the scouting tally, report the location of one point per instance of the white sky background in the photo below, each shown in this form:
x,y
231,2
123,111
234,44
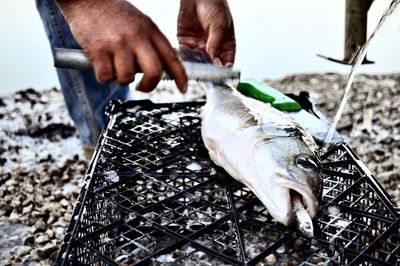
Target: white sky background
x,y
274,39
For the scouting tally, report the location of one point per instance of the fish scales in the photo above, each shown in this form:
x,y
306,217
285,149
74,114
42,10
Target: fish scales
x,y
264,149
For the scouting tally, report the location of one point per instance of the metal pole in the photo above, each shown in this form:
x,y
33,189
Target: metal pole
x,y
355,26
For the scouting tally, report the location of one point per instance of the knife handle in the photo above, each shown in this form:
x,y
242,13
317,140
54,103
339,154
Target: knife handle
x,y
78,59
71,58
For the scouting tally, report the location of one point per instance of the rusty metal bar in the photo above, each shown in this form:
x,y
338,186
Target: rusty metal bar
x,y
355,27
355,37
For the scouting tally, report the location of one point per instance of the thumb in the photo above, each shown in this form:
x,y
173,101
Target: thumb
x,y
214,43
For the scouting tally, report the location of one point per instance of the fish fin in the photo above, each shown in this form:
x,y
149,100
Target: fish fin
x,y
214,149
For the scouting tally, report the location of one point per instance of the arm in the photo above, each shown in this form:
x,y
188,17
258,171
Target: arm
x,y
117,38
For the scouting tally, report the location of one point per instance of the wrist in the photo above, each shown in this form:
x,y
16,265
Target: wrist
x,y
68,6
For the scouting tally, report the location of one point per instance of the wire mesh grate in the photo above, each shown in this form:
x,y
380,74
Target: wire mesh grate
x,y
153,196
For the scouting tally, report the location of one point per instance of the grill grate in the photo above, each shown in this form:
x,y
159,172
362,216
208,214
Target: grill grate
x,y
153,196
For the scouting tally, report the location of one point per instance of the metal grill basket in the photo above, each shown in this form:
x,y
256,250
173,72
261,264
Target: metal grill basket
x,y
153,196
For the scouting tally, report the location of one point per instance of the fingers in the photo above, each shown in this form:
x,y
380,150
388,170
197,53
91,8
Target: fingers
x,y
216,20
121,62
214,43
228,57
220,48
151,66
124,63
153,58
102,61
171,61
113,64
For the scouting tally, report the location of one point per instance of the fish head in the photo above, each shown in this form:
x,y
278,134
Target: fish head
x,y
286,166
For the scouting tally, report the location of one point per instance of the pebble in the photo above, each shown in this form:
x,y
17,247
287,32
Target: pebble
x,y
36,214
281,250
27,209
64,203
271,259
15,202
28,200
51,219
41,238
59,232
54,206
46,251
28,188
14,216
23,250
29,240
50,233
40,226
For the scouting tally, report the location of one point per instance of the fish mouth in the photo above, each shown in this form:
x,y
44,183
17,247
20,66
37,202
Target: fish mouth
x,y
279,202
308,199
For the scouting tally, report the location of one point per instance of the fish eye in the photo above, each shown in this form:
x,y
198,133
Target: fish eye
x,y
305,162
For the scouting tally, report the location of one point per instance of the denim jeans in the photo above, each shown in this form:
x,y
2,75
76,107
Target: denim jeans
x,y
86,99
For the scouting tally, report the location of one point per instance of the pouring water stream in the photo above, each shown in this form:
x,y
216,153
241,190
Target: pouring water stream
x,y
356,65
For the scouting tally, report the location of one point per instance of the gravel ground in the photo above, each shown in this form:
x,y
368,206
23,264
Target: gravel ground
x,y
42,165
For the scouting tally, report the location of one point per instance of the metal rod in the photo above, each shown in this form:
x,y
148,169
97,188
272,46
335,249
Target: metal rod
x,y
71,58
355,26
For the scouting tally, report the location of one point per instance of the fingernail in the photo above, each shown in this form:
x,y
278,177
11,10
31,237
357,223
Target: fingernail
x,y
217,61
229,64
184,88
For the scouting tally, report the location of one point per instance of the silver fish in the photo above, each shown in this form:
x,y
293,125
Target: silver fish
x,y
267,151
302,219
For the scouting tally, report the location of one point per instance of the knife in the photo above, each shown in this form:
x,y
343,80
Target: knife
x,y
195,70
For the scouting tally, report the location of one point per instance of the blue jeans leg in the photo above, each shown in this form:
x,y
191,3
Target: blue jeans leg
x,y
86,99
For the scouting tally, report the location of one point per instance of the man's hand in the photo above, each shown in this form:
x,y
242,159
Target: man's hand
x,y
207,25
119,39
